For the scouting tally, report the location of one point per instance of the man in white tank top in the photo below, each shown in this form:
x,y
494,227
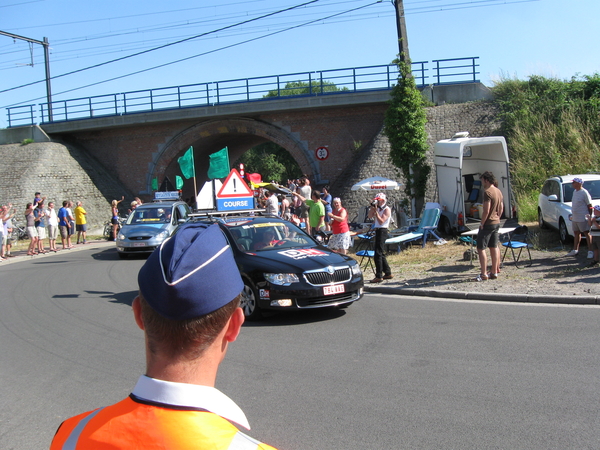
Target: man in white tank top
x,y
382,213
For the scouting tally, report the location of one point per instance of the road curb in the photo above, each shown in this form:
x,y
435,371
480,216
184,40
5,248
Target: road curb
x,y
489,296
21,255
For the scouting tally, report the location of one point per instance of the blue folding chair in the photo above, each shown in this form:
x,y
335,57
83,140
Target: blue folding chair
x,y
518,240
364,249
368,255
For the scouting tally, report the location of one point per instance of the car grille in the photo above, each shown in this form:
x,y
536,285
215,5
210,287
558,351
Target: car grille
x,y
328,300
139,238
138,249
323,277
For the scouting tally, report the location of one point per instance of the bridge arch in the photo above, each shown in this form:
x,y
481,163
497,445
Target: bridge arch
x,y
238,134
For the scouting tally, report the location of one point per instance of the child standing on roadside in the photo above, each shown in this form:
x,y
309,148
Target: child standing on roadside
x,y
594,221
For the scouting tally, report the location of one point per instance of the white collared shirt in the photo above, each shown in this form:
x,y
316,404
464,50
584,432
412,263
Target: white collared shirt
x,y
191,396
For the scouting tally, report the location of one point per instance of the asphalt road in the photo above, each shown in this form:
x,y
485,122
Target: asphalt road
x,y
391,372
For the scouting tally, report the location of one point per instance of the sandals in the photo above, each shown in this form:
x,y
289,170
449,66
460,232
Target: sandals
x,y
480,277
492,276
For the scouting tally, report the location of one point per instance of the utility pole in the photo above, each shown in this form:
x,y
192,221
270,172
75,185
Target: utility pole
x,y
46,46
402,36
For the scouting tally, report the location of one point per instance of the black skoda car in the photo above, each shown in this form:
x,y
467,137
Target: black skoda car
x,y
283,268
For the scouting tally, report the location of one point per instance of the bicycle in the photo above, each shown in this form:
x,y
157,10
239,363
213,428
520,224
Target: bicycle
x,y
108,227
18,232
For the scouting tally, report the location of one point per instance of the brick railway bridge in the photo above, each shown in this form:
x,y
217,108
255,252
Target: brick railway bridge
x,y
139,147
138,136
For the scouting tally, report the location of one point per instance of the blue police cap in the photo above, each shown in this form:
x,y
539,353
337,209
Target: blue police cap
x,y
191,274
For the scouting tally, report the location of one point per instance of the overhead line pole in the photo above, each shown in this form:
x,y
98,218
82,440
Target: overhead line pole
x,y
402,35
46,46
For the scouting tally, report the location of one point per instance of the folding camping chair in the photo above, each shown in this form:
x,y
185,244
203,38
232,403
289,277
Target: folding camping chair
x,y
427,225
474,194
518,240
364,249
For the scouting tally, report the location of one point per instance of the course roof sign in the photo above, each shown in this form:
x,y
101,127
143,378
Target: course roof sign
x,y
234,187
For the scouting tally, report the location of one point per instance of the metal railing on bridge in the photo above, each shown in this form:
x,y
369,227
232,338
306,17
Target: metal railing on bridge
x,y
325,82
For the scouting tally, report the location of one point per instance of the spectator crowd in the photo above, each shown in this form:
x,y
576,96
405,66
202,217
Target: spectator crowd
x,y
314,210
43,222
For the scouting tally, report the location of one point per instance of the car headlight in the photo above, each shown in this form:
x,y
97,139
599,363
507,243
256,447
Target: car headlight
x,y
356,269
282,279
121,236
162,235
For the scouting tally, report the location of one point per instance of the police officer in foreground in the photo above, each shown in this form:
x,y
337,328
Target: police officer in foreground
x,y
189,316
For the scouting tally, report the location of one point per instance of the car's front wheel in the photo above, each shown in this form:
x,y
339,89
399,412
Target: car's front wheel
x,y
563,234
249,302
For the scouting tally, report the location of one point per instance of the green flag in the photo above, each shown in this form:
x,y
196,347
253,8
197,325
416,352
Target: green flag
x,y
178,182
186,164
219,164
154,184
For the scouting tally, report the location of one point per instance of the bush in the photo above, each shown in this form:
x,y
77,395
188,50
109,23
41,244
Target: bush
x,y
552,128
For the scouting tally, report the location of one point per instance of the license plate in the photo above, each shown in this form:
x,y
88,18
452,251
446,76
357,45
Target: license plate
x,y
139,244
336,289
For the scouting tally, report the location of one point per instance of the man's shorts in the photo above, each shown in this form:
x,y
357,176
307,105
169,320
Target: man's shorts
x,y
52,232
582,227
488,237
304,212
41,231
82,227
64,231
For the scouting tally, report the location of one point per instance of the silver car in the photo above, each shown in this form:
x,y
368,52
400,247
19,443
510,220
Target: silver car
x,y
149,225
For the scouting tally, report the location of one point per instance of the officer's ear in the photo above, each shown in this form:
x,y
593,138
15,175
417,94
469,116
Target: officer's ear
x,y
137,312
234,325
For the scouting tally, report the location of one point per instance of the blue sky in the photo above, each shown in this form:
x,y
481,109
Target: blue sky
x,y
512,38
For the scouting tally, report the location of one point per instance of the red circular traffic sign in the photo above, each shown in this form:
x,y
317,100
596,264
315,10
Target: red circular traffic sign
x,y
322,153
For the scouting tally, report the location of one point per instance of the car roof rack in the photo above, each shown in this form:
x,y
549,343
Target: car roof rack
x,y
206,214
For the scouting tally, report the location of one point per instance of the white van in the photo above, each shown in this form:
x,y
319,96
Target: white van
x,y
459,162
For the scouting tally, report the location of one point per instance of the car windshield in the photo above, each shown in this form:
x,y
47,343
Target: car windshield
x,y
251,237
149,215
592,186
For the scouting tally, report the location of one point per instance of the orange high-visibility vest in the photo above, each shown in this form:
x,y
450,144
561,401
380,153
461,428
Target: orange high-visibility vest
x,y
132,425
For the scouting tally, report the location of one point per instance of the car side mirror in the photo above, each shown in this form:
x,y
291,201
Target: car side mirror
x,y
184,221
552,198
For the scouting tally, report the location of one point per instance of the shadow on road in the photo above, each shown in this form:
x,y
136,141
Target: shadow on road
x,y
125,298
297,317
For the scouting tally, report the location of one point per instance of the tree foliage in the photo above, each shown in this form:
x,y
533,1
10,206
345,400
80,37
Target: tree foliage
x,y
304,88
404,126
273,162
552,127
